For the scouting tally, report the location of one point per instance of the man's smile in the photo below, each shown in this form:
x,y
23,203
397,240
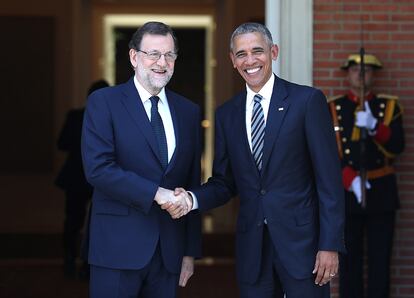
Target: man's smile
x,y
253,70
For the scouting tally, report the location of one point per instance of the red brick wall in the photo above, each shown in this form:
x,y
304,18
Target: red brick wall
x,y
389,34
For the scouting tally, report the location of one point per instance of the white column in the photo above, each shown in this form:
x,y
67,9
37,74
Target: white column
x,y
273,23
291,25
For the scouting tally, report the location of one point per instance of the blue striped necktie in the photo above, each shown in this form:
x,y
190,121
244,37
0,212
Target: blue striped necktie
x,y
158,128
258,131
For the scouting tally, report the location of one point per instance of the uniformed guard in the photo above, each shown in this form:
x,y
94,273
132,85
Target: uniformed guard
x,y
382,118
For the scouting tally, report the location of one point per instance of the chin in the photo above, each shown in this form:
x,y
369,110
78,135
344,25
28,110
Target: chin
x,y
254,85
159,83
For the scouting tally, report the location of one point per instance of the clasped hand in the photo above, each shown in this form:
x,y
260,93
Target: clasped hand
x,y
177,203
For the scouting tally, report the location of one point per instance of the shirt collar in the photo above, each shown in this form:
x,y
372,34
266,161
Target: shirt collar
x,y
145,95
355,98
265,92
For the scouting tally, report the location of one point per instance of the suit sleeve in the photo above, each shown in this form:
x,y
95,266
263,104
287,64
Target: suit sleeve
x,y
219,188
193,219
327,173
99,158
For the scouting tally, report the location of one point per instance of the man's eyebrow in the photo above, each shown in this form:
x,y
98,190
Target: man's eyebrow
x,y
240,52
258,48
254,49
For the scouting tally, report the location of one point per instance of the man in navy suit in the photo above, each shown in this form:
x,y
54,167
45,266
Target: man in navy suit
x,y
139,141
275,148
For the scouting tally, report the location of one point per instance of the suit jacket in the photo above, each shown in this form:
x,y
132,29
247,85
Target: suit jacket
x,y
71,177
121,160
298,191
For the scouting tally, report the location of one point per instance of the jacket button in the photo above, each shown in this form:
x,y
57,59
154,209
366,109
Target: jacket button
x,y
262,192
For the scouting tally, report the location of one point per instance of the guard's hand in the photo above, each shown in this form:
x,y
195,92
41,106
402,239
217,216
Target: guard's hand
x,y
326,266
356,188
365,118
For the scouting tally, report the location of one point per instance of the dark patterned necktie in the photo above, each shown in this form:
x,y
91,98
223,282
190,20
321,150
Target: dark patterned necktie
x,y
158,128
258,131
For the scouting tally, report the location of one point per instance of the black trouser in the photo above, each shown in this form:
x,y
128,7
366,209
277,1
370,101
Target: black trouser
x,y
378,230
75,211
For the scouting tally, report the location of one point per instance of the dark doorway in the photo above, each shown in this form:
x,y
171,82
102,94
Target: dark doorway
x,y
26,103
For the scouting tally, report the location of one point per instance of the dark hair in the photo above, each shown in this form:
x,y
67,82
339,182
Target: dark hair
x,y
97,85
155,28
252,28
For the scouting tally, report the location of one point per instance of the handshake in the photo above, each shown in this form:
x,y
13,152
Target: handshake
x,y
178,202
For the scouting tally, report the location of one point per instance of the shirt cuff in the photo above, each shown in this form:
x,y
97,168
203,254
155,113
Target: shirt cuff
x,y
195,201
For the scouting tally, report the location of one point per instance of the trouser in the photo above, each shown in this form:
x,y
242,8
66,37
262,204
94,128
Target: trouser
x,y
75,211
274,281
378,230
152,281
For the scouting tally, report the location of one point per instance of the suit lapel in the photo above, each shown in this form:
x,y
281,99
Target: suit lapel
x,y
277,110
242,133
136,109
172,103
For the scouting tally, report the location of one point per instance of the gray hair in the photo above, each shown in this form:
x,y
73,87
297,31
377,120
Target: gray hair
x,y
252,28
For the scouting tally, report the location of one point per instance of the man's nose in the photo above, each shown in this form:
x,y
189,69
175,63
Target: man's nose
x,y
250,58
162,60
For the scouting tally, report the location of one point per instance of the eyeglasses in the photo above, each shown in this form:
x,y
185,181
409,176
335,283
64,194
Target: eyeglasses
x,y
155,55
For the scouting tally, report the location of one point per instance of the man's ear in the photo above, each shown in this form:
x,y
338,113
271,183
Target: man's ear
x,y
274,50
232,58
133,58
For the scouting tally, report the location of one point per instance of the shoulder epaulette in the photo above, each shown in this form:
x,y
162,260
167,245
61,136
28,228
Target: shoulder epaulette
x,y
392,102
333,98
387,96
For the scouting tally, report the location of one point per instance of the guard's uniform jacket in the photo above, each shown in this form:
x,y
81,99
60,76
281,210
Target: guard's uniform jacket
x,y
381,149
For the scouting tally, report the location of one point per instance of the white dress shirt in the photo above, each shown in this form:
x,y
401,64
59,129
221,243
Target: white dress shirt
x,y
163,109
266,93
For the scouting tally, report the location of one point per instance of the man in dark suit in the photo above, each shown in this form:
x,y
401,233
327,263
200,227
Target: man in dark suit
x,y
72,180
374,220
275,148
139,141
